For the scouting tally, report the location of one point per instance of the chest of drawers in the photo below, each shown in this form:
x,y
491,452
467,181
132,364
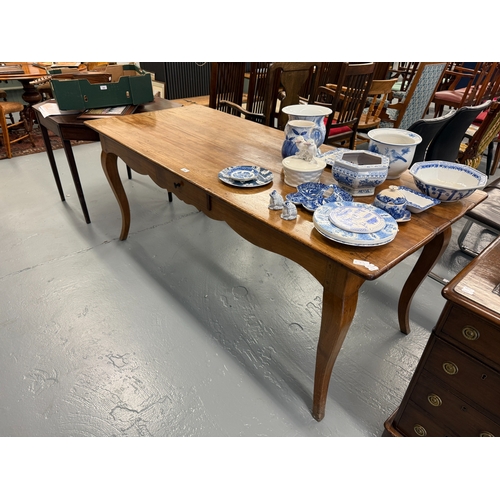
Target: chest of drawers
x,y
455,390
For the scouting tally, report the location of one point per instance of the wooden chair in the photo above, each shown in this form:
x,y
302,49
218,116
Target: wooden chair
x,y
427,128
8,108
471,152
286,84
480,86
257,84
378,100
226,86
404,72
418,96
446,144
347,100
3,96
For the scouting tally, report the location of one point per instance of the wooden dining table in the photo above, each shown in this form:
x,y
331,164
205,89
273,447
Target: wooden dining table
x,y
25,73
184,149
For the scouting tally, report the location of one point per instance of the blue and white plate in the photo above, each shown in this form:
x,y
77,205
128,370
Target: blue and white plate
x,y
312,195
416,201
234,176
325,226
243,173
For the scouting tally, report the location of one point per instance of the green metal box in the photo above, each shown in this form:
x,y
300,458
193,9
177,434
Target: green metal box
x,y
129,85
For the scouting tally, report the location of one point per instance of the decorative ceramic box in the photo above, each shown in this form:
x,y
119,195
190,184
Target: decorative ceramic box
x,y
129,85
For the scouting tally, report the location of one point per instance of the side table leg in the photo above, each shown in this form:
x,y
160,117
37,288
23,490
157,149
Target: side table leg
x,y
52,161
340,297
76,178
428,258
109,162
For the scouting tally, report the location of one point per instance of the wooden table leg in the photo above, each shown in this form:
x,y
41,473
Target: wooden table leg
x,y
52,161
428,258
76,179
109,163
340,297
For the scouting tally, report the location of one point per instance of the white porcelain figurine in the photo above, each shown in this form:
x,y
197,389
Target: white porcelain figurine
x,y
289,211
276,201
307,149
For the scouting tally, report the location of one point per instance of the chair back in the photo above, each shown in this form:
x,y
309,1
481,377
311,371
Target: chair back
x,y
484,135
377,97
446,144
288,82
427,128
347,100
404,72
418,97
226,84
257,86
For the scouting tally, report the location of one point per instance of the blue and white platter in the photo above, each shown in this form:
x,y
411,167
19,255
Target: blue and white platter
x,y
417,202
363,225
312,195
245,176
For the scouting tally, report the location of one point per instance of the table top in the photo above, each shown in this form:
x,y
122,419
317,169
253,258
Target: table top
x,y
196,143
478,285
29,72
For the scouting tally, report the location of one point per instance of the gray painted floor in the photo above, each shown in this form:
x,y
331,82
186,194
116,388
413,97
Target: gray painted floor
x,y
184,329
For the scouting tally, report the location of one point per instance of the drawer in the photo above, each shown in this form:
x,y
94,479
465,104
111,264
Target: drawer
x,y
465,375
415,422
448,410
474,333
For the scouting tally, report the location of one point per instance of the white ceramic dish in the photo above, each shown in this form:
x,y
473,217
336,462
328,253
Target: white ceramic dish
x,y
324,226
264,177
447,181
417,202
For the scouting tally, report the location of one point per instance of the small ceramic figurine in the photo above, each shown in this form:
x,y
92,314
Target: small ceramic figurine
x,y
307,149
289,211
276,201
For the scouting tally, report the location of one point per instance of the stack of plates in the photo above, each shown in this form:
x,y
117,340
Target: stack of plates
x,y
356,224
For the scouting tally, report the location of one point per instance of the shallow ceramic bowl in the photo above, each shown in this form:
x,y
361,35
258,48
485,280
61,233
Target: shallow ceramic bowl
x,y
359,172
298,171
446,181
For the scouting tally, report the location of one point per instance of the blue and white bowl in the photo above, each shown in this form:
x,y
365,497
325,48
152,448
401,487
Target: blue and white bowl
x,y
398,145
359,172
447,181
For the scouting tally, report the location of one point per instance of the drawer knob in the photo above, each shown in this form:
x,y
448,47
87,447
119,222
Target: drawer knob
x,y
419,430
470,333
486,434
450,368
434,400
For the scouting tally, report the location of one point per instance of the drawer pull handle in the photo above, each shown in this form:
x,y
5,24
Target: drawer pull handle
x,y
434,400
450,368
470,333
486,434
419,430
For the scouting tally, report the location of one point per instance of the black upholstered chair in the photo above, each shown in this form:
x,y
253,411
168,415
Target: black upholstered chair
x,y
427,128
446,144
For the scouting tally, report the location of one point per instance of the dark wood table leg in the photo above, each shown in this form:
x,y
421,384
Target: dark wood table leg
x,y
340,297
428,258
76,178
52,161
109,163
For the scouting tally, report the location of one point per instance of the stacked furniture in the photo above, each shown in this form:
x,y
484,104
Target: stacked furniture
x,y
455,390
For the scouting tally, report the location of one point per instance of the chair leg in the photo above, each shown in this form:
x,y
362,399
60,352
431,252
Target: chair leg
x,y
5,135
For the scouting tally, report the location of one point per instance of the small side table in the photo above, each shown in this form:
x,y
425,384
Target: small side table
x,y
71,128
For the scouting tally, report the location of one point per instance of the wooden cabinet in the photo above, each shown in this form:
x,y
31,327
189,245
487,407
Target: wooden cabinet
x,y
455,390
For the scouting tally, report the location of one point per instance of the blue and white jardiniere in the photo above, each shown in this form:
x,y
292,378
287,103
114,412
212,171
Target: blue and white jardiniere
x,y
312,113
398,145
